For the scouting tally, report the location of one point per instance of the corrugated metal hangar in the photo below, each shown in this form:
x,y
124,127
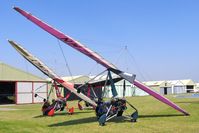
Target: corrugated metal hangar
x,y
19,87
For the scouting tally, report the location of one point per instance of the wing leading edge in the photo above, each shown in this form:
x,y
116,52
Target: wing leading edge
x,y
99,59
43,68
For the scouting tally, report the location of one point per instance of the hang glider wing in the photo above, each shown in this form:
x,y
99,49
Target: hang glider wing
x,y
93,55
43,68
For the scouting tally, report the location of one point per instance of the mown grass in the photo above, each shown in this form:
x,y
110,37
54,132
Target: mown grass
x,y
153,117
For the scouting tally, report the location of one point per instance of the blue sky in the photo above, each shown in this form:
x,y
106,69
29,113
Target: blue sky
x,y
162,36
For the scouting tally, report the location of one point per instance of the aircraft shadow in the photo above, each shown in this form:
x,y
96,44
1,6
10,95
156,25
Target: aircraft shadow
x,y
115,120
64,113
75,122
124,119
154,116
120,119
194,102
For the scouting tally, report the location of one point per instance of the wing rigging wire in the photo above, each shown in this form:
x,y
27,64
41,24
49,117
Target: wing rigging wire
x,y
65,60
100,74
92,68
133,60
126,53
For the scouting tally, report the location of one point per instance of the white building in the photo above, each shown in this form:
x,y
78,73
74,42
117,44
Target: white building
x,y
129,91
197,87
161,87
177,86
172,86
19,87
189,85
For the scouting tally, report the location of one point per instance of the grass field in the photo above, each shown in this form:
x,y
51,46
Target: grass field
x,y
153,117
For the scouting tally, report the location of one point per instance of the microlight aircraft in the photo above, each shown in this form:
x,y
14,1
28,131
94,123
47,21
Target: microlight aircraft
x,y
104,110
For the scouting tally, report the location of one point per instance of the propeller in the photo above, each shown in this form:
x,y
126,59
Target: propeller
x,y
36,95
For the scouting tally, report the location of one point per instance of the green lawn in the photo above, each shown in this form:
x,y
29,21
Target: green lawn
x,y
153,117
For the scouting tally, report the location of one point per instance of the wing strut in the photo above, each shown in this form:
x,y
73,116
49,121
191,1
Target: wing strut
x,y
113,89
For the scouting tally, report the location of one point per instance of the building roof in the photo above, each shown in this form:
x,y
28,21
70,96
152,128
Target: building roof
x,y
157,84
80,79
9,73
170,82
188,82
153,83
182,82
175,82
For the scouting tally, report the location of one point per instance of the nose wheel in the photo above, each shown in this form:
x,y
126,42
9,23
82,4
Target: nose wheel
x,y
134,116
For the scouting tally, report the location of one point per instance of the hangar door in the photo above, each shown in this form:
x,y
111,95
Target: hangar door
x,y
179,89
165,90
190,88
7,92
26,91
41,89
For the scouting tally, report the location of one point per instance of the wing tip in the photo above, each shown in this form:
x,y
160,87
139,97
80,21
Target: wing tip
x,y
14,44
15,7
186,113
10,41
